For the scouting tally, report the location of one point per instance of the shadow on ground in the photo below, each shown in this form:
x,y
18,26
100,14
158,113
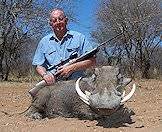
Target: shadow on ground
x,y
121,118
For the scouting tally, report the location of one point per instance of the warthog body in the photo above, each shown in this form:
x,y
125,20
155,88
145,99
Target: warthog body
x,y
102,95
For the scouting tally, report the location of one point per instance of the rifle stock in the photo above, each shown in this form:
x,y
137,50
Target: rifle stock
x,y
37,87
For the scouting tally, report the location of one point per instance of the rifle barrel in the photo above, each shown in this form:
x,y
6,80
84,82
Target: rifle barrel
x,y
103,43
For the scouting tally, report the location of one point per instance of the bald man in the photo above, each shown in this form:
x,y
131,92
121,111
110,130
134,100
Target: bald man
x,y
58,46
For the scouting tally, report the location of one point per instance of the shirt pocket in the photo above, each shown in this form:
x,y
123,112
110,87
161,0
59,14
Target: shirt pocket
x,y
51,52
72,49
51,56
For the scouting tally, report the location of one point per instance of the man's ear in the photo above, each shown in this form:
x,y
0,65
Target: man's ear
x,y
66,20
49,22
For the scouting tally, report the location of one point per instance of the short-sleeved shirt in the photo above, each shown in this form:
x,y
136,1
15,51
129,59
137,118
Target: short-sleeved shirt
x,y
51,51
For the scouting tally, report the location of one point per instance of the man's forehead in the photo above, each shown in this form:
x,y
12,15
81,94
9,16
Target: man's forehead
x,y
56,13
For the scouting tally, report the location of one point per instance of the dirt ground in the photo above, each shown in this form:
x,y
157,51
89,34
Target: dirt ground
x,y
145,107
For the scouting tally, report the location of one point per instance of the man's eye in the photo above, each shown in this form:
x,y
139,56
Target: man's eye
x,y
53,20
60,19
57,19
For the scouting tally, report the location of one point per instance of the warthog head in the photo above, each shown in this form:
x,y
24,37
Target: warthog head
x,y
107,93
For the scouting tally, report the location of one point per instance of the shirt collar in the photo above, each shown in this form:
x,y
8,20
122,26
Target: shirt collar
x,y
53,37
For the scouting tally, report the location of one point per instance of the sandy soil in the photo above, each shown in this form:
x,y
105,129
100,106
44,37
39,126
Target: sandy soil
x,y
145,107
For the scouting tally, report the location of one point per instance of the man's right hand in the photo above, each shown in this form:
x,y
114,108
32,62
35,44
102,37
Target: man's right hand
x,y
49,78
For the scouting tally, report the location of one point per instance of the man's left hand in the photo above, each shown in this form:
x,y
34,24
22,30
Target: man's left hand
x,y
65,71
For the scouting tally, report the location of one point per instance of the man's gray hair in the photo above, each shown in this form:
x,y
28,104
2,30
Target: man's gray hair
x,y
58,9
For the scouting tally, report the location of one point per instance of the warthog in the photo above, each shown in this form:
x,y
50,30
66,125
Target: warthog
x,y
100,94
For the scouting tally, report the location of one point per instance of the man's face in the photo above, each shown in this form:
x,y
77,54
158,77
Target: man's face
x,y
58,21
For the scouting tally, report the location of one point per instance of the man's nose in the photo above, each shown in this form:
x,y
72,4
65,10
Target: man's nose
x,y
57,20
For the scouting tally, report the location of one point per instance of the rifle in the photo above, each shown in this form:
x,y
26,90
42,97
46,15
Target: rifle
x,y
71,60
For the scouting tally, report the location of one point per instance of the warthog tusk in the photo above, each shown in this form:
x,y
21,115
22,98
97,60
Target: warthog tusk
x,y
127,97
82,96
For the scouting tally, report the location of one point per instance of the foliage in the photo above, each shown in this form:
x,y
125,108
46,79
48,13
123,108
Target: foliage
x,y
22,23
139,20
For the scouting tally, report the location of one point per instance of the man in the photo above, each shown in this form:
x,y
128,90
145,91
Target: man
x,y
58,46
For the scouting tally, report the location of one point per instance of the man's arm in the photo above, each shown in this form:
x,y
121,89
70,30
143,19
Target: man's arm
x,y
48,77
82,65
41,70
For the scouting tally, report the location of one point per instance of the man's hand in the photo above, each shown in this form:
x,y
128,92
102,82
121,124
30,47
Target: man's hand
x,y
49,78
65,71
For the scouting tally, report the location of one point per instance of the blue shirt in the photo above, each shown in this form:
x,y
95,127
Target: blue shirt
x,y
51,51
